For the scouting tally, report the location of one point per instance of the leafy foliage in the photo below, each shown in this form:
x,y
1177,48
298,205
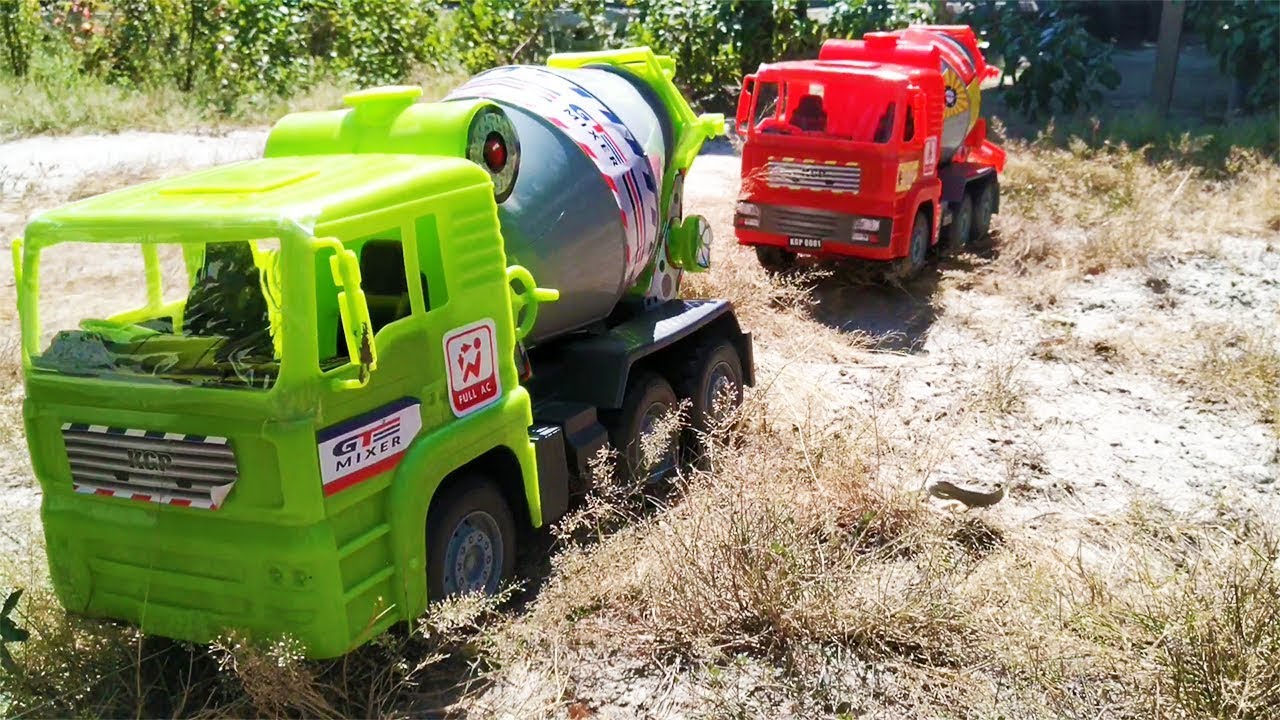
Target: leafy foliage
x,y
224,50
500,32
9,630
18,33
1245,35
1054,63
854,18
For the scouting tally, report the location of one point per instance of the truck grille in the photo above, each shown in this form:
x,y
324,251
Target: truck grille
x,y
812,176
802,223
165,468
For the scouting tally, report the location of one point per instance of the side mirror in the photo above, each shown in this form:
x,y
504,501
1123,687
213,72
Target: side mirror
x,y
356,326
744,105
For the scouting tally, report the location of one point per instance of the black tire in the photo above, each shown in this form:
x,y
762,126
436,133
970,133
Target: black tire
x,y
714,368
983,208
775,259
470,505
960,229
648,397
909,267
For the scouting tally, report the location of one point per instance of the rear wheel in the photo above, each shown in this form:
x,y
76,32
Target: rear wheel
x,y
775,259
960,228
471,540
713,383
983,208
910,266
648,402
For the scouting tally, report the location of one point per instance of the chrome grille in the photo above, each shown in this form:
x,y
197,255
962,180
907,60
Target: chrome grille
x,y
811,176
803,223
167,468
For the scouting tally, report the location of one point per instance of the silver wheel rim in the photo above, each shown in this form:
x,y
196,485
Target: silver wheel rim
x,y
648,425
473,558
984,209
964,225
721,382
919,243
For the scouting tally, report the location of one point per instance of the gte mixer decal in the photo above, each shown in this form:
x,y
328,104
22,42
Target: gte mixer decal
x,y
365,446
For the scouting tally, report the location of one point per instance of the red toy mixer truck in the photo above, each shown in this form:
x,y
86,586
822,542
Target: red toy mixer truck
x,y
876,150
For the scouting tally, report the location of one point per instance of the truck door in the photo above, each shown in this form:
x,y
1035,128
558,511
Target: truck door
x,y
365,431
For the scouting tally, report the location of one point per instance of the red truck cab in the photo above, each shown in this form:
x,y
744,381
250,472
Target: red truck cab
x,y
857,157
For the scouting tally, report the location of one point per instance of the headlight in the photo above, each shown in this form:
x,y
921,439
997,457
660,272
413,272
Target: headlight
x,y
492,144
868,225
862,237
748,209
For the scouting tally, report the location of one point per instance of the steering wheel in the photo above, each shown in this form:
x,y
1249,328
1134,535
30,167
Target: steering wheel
x,y
527,298
116,331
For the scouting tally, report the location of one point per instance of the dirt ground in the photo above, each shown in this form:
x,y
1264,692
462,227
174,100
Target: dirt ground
x,y
1058,401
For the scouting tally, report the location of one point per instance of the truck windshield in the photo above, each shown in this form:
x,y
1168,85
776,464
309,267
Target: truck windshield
x,y
829,110
183,313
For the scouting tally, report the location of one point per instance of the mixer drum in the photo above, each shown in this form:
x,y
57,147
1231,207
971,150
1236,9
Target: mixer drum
x,y
962,94
583,215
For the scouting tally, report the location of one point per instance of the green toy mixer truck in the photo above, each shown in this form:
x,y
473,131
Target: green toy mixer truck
x,y
363,365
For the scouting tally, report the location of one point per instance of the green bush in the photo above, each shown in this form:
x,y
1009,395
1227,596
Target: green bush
x,y
19,31
1053,62
499,32
1245,36
855,18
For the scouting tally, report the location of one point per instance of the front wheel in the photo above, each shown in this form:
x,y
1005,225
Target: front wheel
x,y
471,540
909,267
775,260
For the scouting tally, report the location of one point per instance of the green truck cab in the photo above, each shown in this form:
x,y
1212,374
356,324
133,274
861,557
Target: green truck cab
x,y
334,403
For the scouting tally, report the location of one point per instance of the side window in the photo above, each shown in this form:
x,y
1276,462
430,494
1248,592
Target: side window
x,y
767,97
385,282
909,126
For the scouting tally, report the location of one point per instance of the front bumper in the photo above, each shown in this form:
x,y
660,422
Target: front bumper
x,y
275,559
191,578
817,231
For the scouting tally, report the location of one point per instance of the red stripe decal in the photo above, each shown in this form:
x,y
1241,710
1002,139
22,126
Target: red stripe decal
x,y
363,474
103,491
140,496
181,502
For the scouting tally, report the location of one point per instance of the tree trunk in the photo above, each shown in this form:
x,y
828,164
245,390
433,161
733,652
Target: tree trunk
x,y
1167,48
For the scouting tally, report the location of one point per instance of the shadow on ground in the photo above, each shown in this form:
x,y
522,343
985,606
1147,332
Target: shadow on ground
x,y
853,296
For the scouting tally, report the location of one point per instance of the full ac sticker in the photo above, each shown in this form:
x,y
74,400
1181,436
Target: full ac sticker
x,y
471,352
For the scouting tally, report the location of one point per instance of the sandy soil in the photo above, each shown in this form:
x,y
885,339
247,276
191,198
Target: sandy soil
x,y
1060,401
1086,434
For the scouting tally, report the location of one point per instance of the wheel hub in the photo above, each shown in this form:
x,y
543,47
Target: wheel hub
x,y
721,384
474,556
648,426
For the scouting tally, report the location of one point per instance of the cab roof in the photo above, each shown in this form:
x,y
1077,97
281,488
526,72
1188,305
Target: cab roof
x,y
278,197
835,70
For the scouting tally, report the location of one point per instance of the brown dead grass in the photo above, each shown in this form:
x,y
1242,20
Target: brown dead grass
x,y
789,576
1238,367
792,566
1068,212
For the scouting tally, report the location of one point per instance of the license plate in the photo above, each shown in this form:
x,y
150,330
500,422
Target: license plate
x,y
805,243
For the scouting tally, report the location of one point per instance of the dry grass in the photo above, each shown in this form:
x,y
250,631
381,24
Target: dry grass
x,y
59,99
792,571
1239,367
793,575
1074,211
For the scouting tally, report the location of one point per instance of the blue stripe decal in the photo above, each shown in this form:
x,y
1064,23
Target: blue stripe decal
x,y
347,426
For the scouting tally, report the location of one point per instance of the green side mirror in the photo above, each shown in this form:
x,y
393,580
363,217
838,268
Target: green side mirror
x,y
354,311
